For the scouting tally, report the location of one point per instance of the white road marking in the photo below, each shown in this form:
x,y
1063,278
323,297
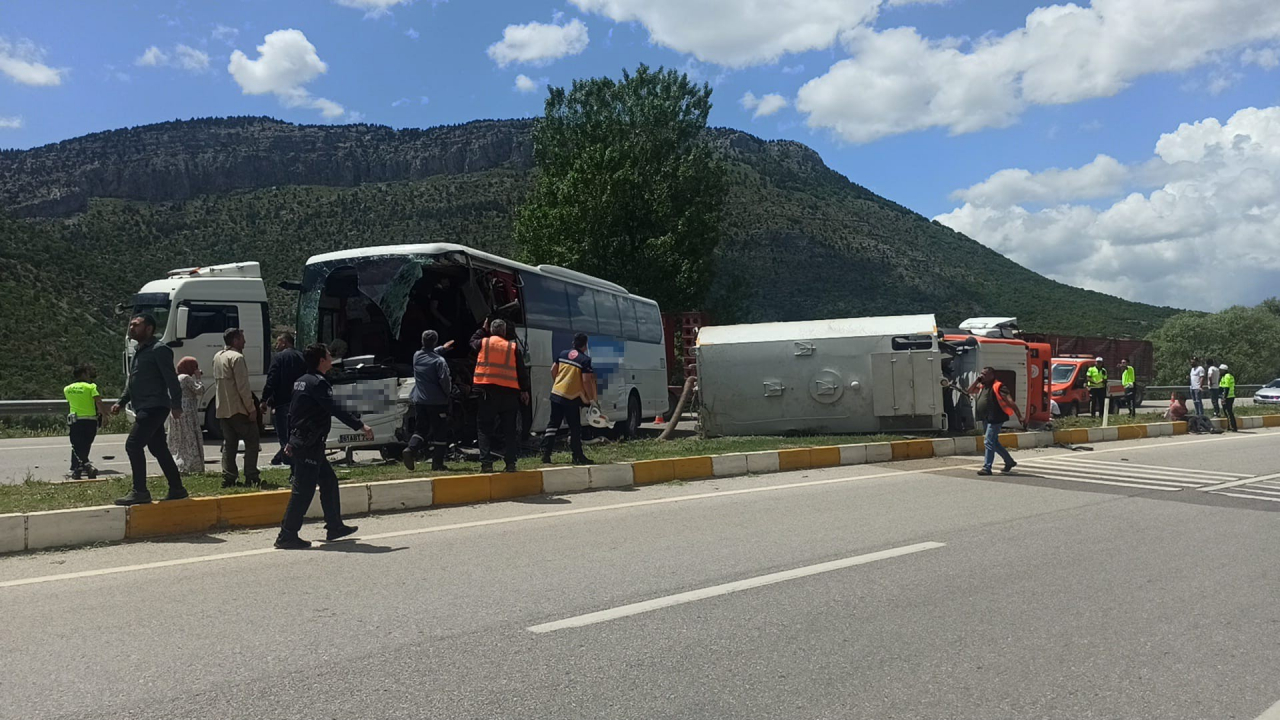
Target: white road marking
x,y
727,588
1237,483
455,526
1059,475
1247,497
1135,471
1076,470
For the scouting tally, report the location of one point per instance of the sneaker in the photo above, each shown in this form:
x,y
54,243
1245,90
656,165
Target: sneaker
x,y
486,468
292,543
135,498
546,459
75,474
177,494
91,472
1008,468
228,483
340,532
583,460
439,468
410,459
510,469
984,472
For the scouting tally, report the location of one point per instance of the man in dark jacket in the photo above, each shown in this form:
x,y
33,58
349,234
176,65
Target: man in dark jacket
x,y
432,385
310,417
153,391
286,367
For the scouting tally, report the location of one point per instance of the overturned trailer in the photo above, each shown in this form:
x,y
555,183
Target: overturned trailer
x,y
853,375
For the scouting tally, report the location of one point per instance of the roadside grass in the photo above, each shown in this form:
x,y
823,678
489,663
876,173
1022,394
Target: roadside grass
x,y
34,426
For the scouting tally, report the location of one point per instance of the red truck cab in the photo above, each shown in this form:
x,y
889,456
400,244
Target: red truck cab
x,y
1067,384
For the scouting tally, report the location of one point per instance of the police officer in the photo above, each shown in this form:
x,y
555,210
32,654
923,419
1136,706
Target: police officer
x,y
1096,381
1129,378
310,414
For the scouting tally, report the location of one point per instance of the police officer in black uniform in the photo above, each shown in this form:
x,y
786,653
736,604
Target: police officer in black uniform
x,y
310,413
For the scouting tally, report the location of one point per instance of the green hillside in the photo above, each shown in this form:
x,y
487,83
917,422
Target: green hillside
x,y
92,219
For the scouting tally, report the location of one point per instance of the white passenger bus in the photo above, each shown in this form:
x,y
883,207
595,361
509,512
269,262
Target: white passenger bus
x,y
372,304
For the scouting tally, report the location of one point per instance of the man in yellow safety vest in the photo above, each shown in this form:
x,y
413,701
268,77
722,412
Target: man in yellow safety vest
x,y
1096,381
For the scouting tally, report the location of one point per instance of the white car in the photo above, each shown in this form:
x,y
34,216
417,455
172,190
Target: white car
x,y
1269,394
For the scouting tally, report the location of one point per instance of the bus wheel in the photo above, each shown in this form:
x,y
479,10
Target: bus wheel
x,y
211,422
631,428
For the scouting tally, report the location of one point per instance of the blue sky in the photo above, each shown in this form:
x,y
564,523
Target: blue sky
x,y
933,104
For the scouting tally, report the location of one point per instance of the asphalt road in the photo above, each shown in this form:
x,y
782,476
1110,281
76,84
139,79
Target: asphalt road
x,y
1136,581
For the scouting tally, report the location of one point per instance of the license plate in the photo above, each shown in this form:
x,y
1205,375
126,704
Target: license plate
x,y
351,438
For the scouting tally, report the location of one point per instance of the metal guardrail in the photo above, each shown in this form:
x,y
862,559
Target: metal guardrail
x,y
1164,390
10,408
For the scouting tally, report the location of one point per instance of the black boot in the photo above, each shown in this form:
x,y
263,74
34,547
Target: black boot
x,y
135,498
410,458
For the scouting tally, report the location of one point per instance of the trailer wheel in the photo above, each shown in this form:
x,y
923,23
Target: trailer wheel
x,y
211,422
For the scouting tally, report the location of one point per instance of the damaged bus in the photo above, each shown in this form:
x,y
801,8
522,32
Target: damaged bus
x,y
371,305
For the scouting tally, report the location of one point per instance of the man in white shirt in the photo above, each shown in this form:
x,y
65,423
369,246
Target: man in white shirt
x,y
1197,385
1214,375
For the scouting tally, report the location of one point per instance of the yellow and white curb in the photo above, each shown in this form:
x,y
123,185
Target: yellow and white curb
x,y
84,526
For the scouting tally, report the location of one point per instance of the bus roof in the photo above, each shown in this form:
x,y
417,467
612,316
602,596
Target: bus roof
x,y
551,271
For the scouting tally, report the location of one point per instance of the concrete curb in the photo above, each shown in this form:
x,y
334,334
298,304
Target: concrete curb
x,y
79,526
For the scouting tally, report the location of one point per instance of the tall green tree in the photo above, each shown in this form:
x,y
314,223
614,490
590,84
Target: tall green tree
x,y
627,187
1246,339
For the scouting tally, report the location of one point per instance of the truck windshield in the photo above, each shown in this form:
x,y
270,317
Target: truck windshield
x,y
156,305
1062,372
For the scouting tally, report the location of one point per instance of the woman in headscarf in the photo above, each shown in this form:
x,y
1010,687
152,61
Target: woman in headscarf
x,y
184,438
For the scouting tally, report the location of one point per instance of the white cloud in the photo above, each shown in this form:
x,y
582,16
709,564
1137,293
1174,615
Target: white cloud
x,y
22,62
1197,225
188,58
286,62
424,100
538,43
412,34
401,101
373,8
10,123
152,57
897,81
526,84
739,33
765,105
1266,58
224,33
183,56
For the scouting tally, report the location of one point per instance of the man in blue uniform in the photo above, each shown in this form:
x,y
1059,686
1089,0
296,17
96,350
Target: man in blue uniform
x,y
310,417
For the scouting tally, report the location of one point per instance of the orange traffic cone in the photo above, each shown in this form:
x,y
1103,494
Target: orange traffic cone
x,y
658,420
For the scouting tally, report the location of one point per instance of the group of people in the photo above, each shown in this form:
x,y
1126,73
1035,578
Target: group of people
x,y
501,380
1096,381
1207,377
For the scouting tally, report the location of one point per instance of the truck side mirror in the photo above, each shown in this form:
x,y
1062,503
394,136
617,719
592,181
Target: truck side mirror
x,y
180,323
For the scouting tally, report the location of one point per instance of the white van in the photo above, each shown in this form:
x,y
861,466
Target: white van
x,y
192,308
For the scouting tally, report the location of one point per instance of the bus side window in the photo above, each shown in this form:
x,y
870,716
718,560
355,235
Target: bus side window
x,y
607,312
545,302
582,310
629,329
650,322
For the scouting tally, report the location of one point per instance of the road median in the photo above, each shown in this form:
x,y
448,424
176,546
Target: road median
x,y
104,524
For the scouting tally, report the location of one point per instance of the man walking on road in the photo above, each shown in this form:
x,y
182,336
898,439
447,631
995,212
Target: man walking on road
x,y
574,389
1228,391
1197,385
432,386
1129,378
310,416
153,391
1096,381
994,404
237,413
502,379
286,367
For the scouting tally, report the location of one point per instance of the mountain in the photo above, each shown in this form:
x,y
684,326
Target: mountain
x,y
87,221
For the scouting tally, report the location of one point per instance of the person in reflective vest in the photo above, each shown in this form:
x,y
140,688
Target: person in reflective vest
x,y
1227,383
574,388
1129,378
994,405
1096,381
502,381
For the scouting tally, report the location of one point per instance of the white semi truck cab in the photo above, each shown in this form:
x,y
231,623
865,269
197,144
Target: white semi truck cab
x,y
192,308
